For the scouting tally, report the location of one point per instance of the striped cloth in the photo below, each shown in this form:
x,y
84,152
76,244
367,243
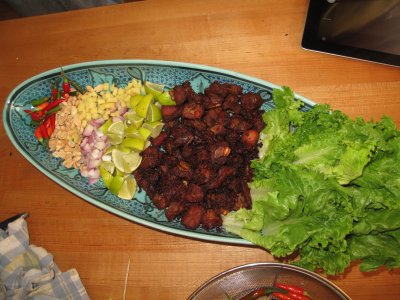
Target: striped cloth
x,y
29,272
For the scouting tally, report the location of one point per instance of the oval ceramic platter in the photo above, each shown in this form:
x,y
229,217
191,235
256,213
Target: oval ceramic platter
x,y
119,72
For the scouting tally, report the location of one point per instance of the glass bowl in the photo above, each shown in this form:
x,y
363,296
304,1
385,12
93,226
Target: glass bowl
x,y
237,282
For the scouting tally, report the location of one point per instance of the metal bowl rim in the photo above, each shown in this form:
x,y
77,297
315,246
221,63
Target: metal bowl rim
x,y
306,272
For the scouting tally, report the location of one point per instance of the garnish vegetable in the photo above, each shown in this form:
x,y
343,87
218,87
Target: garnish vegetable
x,y
326,186
279,291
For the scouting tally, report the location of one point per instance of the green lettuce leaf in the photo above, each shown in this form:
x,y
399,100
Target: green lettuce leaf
x,y
326,187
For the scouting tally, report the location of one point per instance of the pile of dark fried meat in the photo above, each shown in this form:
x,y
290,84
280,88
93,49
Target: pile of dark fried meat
x,y
198,167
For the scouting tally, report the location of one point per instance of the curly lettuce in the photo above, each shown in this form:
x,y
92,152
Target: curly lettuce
x,y
326,187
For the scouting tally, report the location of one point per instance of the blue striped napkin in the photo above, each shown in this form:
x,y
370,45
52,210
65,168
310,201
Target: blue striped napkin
x,y
29,272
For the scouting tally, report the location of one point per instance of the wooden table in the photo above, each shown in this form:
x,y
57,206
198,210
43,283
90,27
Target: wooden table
x,y
257,38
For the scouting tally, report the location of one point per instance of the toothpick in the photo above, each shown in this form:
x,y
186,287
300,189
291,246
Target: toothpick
x,y
126,278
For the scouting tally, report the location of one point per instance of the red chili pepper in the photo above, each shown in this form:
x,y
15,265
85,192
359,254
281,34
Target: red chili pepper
x,y
255,294
50,124
37,116
41,106
299,296
282,296
291,288
66,86
53,110
53,104
43,131
53,121
38,134
54,92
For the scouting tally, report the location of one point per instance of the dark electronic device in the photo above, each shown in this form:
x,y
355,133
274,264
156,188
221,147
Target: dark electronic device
x,y
362,29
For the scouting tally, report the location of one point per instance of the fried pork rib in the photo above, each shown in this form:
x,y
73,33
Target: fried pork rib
x,y
198,167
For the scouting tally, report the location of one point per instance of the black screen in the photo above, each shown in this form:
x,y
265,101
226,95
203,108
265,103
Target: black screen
x,y
366,29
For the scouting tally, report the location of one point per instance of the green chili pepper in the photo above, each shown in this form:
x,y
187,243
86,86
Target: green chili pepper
x,y
76,85
39,101
35,123
53,110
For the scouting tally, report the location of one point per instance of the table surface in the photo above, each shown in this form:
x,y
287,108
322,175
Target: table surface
x,y
257,38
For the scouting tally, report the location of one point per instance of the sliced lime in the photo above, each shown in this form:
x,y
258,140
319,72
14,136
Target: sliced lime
x,y
154,127
109,150
117,128
106,176
128,188
153,88
123,148
143,106
144,132
132,131
120,173
133,143
165,99
115,139
133,119
116,184
108,166
116,132
126,162
153,113
104,128
134,101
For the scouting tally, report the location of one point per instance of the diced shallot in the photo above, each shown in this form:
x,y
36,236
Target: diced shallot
x,y
116,119
96,154
93,180
93,145
86,148
88,130
100,145
97,123
84,142
93,164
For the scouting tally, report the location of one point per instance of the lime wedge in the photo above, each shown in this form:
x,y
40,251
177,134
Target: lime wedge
x,y
116,132
154,127
115,139
153,113
134,100
133,143
128,188
109,150
133,119
117,128
119,173
165,99
106,176
107,166
143,106
124,148
126,162
116,184
153,88
104,128
133,132
144,132
147,144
